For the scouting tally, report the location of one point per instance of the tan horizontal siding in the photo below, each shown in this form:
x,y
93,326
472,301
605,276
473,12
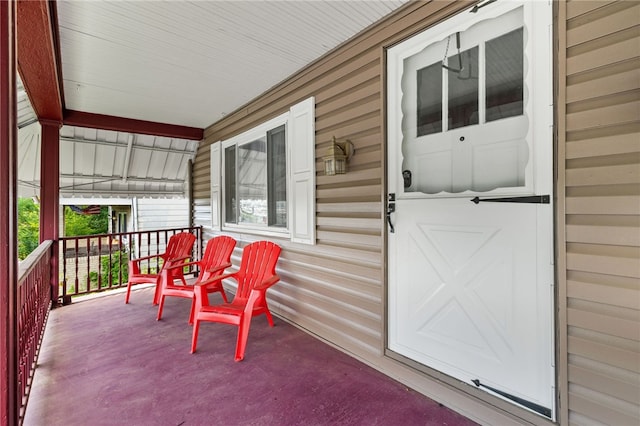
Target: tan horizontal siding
x,y
600,408
617,78
597,204
615,260
608,323
603,21
578,8
601,165
608,289
613,381
600,229
615,48
622,139
603,353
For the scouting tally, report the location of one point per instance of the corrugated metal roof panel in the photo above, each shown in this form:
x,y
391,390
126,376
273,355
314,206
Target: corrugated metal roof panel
x,y
99,163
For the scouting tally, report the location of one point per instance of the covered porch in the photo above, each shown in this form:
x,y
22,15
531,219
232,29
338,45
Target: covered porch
x,y
103,363
136,85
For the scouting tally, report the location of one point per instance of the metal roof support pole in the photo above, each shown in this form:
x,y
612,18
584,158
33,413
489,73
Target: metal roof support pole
x,y
50,195
9,400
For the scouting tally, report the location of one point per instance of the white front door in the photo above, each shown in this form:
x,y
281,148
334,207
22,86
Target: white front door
x,y
470,286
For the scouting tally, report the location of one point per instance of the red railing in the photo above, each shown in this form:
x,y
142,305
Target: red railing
x,y
95,263
34,303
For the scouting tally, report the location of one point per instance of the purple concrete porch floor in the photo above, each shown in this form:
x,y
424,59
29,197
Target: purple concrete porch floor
x,y
107,363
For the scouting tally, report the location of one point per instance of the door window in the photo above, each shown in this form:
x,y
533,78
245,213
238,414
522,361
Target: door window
x,y
465,121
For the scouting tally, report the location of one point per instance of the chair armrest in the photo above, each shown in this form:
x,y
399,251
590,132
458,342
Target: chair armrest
x,y
219,268
200,290
179,259
139,259
214,279
175,263
267,283
181,265
258,293
134,264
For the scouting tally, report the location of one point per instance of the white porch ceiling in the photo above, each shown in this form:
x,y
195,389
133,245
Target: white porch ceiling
x,y
186,63
191,62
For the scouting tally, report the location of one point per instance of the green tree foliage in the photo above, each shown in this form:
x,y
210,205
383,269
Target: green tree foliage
x,y
28,227
79,224
117,267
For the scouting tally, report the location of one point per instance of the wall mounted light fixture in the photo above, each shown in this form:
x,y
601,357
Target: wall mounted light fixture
x,y
338,154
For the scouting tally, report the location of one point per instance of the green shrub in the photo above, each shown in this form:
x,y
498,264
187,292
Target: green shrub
x,y
119,263
28,227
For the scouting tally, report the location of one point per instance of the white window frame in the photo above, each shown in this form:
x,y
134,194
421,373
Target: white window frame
x,y
247,137
299,124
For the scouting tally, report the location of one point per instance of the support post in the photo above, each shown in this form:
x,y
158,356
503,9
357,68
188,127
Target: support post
x,y
49,195
9,399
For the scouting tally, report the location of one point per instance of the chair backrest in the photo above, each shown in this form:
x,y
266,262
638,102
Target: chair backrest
x,y
218,252
179,245
258,264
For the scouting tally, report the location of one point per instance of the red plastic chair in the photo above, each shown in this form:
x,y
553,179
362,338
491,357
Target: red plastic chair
x,y
178,251
216,258
255,276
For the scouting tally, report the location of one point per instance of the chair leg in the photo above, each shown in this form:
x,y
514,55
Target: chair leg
x,y
194,338
192,313
156,294
269,317
126,298
160,306
224,295
243,334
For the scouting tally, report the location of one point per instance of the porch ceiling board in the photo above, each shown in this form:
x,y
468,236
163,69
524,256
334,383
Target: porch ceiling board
x,y
129,70
189,63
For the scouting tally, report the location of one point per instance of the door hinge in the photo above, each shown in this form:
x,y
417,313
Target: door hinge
x,y
533,199
530,405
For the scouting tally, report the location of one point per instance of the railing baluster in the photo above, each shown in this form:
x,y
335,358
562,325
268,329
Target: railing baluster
x,y
100,263
77,282
64,267
110,284
88,254
119,260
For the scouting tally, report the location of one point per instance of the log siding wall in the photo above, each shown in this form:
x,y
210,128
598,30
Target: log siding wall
x,y
336,289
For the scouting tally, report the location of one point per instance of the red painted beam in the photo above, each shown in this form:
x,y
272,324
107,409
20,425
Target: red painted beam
x,y
120,124
38,57
9,401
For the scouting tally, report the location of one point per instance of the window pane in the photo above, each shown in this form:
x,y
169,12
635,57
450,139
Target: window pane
x,y
252,181
230,212
505,76
463,89
277,177
429,99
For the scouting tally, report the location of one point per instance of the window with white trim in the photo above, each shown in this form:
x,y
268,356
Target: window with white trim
x,y
263,180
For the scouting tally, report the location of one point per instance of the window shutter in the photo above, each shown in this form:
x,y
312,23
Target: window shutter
x,y
216,195
303,176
